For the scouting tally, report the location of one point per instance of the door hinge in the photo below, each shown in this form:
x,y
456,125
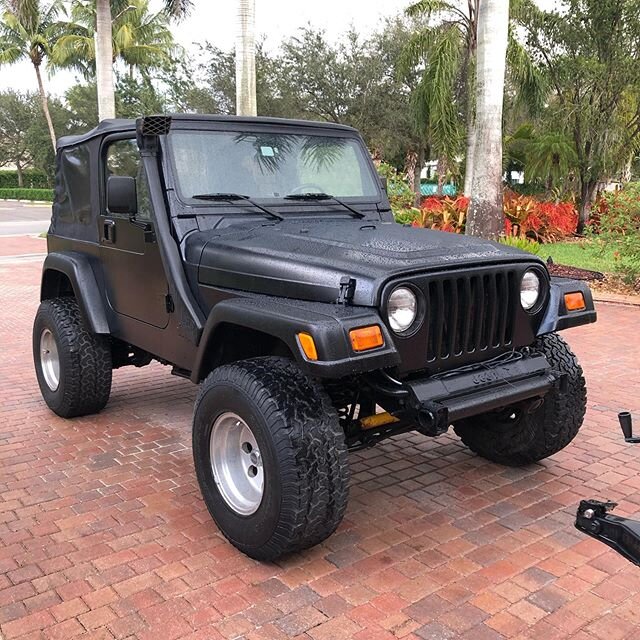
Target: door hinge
x,y
168,301
347,290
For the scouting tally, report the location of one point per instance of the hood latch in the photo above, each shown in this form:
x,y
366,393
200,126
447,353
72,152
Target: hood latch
x,y
347,290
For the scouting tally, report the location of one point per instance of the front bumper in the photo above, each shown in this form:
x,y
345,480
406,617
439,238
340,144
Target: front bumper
x,y
431,404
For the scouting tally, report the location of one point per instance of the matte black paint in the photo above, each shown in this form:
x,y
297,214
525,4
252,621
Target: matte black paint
x,y
224,265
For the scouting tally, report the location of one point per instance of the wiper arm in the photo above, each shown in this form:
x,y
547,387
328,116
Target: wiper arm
x,y
325,196
235,197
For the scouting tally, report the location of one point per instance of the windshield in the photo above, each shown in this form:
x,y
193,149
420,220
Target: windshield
x,y
269,165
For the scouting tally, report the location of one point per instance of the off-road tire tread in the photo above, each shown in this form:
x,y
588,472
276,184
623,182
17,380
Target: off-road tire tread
x,y
310,447
85,359
547,430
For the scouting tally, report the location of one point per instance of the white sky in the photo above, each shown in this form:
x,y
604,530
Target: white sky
x,y
215,20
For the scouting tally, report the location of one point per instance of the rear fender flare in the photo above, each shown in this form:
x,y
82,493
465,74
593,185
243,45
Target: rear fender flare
x,y
77,268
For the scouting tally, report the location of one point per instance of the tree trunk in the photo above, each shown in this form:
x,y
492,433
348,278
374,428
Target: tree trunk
x,y
587,191
410,163
485,216
104,61
45,107
246,60
627,172
20,176
442,175
471,143
417,176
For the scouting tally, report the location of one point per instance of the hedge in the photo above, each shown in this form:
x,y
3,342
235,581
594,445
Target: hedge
x,y
32,179
27,194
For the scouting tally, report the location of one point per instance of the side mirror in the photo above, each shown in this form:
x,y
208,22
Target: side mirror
x,y
383,183
121,195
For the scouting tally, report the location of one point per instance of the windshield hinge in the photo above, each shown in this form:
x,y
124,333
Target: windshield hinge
x,y
347,290
168,301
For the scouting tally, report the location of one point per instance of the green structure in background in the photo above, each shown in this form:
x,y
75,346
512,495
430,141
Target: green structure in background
x,y
431,189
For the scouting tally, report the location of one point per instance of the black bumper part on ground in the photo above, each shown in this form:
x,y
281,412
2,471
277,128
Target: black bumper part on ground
x,y
441,400
621,534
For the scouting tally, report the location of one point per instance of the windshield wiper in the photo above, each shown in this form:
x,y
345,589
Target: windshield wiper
x,y
324,196
235,197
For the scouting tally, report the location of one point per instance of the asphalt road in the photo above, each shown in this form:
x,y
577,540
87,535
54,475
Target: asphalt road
x,y
23,218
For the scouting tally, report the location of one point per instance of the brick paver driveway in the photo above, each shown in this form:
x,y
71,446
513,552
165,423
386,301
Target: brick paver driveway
x,y
104,535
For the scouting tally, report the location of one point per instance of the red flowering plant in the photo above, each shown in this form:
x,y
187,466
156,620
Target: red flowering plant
x,y
525,216
444,214
528,217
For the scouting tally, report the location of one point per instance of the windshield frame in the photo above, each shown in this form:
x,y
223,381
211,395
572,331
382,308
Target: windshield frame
x,y
319,129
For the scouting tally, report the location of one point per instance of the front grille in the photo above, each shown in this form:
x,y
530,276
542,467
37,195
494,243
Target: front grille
x,y
469,313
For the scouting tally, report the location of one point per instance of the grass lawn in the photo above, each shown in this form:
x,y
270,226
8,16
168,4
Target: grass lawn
x,y
584,254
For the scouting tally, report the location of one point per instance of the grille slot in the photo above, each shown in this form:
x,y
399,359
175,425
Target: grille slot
x,y
467,314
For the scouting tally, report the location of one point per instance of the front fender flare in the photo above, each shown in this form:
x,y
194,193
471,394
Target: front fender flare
x,y
329,324
557,317
77,268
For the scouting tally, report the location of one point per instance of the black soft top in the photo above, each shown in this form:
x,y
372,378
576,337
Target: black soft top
x,y
119,125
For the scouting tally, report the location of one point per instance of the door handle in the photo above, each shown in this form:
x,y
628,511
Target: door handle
x,y
109,231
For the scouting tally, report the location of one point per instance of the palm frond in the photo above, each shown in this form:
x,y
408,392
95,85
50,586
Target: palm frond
x,y
177,8
416,49
527,78
441,74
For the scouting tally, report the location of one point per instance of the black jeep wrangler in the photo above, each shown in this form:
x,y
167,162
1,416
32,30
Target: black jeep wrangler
x,y
260,258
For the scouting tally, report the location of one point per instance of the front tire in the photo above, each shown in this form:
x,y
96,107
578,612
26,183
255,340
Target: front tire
x,y
270,457
73,366
516,436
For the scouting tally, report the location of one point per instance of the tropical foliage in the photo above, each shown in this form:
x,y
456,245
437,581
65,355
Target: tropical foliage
x,y
140,38
28,31
619,227
524,217
588,52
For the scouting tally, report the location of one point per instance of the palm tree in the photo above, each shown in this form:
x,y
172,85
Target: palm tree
x,y
104,61
27,31
246,60
551,157
139,38
446,49
484,217
104,48
446,46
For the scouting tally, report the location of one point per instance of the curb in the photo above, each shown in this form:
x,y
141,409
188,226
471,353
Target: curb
x,y
28,201
613,298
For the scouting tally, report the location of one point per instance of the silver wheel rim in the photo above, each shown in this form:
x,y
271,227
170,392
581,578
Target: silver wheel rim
x,y
49,359
236,463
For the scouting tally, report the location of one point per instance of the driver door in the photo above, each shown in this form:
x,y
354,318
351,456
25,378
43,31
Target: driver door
x,y
136,285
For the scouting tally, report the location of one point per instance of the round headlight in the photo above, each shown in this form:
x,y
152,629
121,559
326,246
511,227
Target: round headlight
x,y
402,309
529,290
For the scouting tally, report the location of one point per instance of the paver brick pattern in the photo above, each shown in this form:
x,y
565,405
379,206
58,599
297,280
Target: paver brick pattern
x,y
103,533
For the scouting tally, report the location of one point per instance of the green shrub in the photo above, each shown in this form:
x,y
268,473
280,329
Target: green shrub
x,y
401,196
31,178
619,227
27,194
520,242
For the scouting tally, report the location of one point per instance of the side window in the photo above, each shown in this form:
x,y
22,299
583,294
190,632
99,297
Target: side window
x,y
73,196
123,159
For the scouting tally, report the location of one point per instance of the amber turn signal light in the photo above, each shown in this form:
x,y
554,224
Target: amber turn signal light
x,y
574,301
365,338
308,346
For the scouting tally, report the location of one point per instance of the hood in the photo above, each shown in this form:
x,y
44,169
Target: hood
x,y
306,259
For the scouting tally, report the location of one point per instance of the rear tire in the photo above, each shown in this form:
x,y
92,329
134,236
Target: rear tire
x,y
292,494
531,436
73,366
